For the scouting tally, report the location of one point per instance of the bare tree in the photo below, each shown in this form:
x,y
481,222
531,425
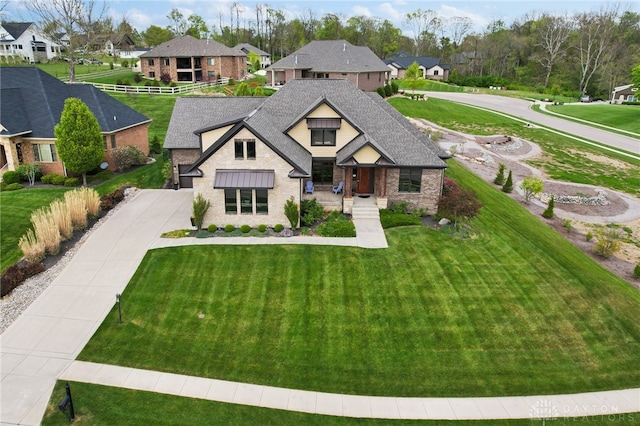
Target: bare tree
x,y
553,32
458,27
424,25
68,18
178,22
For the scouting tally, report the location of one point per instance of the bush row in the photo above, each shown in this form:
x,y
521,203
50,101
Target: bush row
x,y
55,179
16,274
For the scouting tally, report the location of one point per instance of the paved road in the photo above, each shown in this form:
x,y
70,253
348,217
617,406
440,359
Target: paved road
x,y
521,108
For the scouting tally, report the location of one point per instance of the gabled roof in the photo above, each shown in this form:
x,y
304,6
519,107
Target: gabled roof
x,y
246,48
381,126
332,56
405,62
16,29
32,102
191,46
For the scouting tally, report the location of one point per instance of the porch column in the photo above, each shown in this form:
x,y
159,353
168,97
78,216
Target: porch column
x,y
348,177
383,182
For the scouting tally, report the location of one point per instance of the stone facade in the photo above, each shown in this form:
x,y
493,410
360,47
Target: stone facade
x,y
266,159
430,190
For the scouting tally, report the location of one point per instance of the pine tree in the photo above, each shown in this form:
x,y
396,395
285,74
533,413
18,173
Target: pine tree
x,y
499,180
548,212
508,185
79,141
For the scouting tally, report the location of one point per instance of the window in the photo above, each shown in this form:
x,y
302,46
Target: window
x,y
166,62
211,75
45,153
320,137
322,172
230,204
246,201
211,61
436,72
113,140
239,149
104,142
152,74
262,201
410,180
150,62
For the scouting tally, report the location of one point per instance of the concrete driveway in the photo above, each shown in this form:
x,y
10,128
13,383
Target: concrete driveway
x,y
522,109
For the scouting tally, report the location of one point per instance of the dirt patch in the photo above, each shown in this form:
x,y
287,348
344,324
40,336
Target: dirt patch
x,y
602,159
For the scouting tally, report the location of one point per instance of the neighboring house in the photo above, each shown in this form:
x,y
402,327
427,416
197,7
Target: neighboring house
x,y
190,59
430,67
109,44
467,63
331,59
25,41
265,58
249,155
626,93
32,103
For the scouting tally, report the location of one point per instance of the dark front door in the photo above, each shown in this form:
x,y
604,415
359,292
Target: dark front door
x,y
364,180
185,181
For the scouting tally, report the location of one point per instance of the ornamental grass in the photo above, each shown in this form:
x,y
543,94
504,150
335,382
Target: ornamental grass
x,y
77,208
62,216
46,230
32,249
91,199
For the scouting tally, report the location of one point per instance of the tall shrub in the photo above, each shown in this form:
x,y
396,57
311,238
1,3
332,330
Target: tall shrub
x,y
46,230
499,180
199,209
508,185
291,212
548,212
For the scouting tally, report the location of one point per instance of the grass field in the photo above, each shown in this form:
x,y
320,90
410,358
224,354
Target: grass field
x,y
156,107
563,159
430,85
518,310
625,117
96,404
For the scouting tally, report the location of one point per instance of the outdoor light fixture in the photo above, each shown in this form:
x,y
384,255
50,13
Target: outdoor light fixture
x,y
119,310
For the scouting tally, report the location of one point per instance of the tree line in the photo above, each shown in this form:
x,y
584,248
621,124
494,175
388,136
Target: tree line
x,y
583,53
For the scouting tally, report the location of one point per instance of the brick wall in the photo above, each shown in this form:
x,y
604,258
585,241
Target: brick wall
x,y
430,189
137,136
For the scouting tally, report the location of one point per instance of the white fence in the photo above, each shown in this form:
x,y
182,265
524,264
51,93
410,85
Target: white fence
x,y
156,90
107,73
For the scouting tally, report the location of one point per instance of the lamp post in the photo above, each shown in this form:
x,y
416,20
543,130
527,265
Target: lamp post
x,y
119,310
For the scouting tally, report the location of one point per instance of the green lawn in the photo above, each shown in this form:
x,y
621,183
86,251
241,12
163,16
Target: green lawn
x,y
156,107
518,310
60,69
625,117
564,159
429,85
95,404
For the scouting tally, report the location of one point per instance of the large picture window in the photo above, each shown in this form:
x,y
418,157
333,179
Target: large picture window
x,y
323,137
410,180
322,172
45,153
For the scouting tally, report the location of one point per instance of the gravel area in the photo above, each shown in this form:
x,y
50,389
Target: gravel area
x,y
16,302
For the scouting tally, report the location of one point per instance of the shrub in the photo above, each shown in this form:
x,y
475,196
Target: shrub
x,y
394,87
165,78
62,217
127,156
310,212
291,212
137,78
46,230
278,228
388,91
589,236
229,228
77,208
548,212
29,173
636,271
499,180
231,82
391,219
262,228
199,209
508,185
11,177
245,229
608,241
380,91
71,182
212,228
403,207
48,178
12,186
531,185
459,204
109,201
58,180
337,225
449,185
568,224
154,145
125,64
32,249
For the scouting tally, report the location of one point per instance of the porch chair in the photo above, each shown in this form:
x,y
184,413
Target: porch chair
x,y
338,189
308,187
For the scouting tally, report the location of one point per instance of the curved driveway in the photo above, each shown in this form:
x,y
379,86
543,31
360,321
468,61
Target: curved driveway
x,y
522,109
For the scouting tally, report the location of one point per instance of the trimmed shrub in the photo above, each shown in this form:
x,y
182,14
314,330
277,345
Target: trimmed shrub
x,y
199,209
32,249
548,212
337,225
499,180
380,91
262,228
48,178
508,185
229,228
394,87
154,145
77,208
391,219
109,201
71,182
46,230
388,91
278,228
245,229
29,173
11,177
212,228
58,180
310,212
62,217
12,186
127,156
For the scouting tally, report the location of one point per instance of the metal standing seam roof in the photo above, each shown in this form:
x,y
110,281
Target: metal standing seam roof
x,y
244,179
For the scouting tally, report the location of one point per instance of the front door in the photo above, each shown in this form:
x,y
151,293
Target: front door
x,y
364,180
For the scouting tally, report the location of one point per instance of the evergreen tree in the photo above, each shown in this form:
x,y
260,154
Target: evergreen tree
x,y
508,185
548,212
499,180
79,141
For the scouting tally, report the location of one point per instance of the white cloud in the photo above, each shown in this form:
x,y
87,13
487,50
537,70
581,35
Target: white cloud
x,y
448,12
361,11
387,11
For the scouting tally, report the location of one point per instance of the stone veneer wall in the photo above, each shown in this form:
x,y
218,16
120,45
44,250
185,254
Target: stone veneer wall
x,y
184,156
430,190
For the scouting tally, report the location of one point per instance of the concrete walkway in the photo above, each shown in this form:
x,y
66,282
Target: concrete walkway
x,y
42,344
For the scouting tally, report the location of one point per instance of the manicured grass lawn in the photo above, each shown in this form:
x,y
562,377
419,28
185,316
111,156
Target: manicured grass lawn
x,y
149,177
430,85
518,310
156,107
564,159
95,404
61,68
625,117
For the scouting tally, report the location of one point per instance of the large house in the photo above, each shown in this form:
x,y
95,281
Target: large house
x,y
249,155
32,103
626,93
429,67
25,41
187,58
331,59
265,58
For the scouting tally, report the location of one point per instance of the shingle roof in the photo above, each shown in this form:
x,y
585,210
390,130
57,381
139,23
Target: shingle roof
x,y
191,46
250,48
426,61
16,28
381,126
33,100
332,56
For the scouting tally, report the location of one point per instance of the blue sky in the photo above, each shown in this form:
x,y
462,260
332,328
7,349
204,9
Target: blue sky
x,y
142,13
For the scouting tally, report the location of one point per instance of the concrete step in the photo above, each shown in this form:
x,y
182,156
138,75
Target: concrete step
x,y
366,212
